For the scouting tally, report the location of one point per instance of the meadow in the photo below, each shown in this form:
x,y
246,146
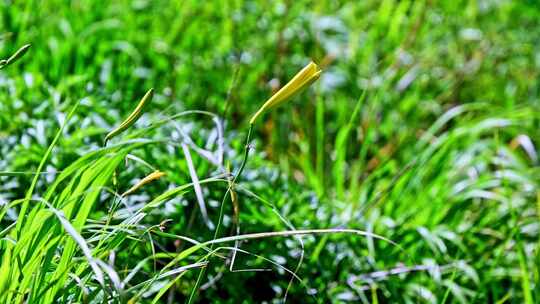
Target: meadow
x,y
165,152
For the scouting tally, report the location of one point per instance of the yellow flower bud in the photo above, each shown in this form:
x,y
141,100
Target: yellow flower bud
x,y
300,81
151,177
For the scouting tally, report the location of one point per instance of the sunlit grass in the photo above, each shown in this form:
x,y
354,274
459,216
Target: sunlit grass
x,y
408,172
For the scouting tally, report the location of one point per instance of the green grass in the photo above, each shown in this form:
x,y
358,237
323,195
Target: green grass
x,y
408,173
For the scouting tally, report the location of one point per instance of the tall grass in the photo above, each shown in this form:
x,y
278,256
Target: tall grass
x,y
423,129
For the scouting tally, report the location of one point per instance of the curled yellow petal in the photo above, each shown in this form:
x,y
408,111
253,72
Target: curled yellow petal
x,y
150,177
297,84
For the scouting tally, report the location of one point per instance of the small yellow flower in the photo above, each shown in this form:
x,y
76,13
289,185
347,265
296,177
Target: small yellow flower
x,y
300,81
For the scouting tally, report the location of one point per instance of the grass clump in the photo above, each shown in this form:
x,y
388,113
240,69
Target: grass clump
x,y
422,130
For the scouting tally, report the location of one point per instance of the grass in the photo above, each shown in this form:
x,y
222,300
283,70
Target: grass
x,y
407,173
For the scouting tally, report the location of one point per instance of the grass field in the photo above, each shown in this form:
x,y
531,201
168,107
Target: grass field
x,y
133,169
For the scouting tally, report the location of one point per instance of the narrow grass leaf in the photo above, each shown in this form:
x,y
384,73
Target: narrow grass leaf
x,y
197,186
81,242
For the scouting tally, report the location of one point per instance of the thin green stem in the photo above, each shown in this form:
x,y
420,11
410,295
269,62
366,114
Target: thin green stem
x,y
221,212
246,154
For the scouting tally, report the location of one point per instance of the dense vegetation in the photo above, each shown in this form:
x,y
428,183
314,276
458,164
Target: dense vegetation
x,y
407,173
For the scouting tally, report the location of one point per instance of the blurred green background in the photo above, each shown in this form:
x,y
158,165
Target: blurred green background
x,y
423,129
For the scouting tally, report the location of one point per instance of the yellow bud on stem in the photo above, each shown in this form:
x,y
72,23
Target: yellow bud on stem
x,y
18,54
132,118
152,176
297,84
